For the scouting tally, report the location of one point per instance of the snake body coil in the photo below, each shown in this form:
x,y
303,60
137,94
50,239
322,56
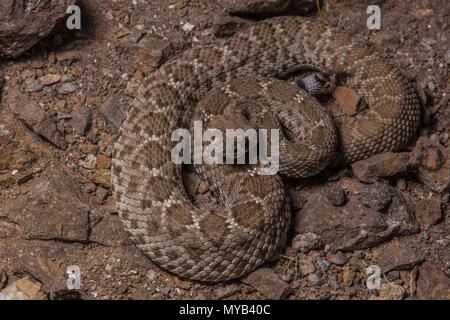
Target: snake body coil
x,y
251,226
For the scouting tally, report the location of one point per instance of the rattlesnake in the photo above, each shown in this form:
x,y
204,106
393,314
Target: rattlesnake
x,y
251,226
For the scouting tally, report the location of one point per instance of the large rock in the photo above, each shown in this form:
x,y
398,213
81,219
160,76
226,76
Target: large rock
x,y
34,117
106,229
24,22
13,156
53,208
22,289
16,159
383,165
268,283
397,257
428,211
154,51
43,261
432,283
372,216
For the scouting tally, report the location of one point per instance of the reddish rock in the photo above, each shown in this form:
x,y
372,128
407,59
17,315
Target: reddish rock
x,y
152,50
103,162
35,117
306,242
356,225
268,283
352,186
13,155
113,111
23,23
44,261
432,283
81,119
22,289
347,99
337,258
382,165
139,75
50,79
397,257
52,208
106,229
429,211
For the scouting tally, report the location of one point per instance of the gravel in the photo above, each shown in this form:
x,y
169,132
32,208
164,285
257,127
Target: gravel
x,y
72,94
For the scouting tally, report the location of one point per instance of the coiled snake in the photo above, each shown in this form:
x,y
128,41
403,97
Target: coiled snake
x,y
252,222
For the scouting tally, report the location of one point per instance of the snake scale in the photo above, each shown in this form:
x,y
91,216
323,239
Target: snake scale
x,y
251,224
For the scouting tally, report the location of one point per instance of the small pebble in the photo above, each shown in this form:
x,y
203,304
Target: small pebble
x,y
335,195
188,27
444,138
314,280
34,85
323,264
68,88
431,86
106,71
151,275
338,259
27,74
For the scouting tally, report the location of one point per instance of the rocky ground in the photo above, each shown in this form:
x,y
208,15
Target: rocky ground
x,y
62,103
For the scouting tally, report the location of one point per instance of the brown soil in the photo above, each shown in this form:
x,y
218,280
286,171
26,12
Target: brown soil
x,y
56,207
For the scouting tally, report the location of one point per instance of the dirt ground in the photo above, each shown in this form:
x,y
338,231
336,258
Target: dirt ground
x,y
56,206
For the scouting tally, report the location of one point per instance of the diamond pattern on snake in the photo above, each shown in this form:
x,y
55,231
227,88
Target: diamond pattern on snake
x,y
242,76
